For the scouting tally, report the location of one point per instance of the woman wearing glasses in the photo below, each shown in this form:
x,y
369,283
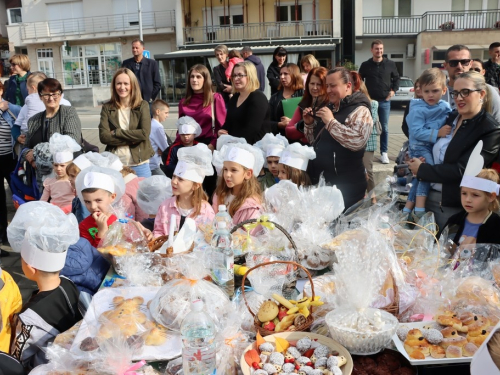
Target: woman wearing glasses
x,y
56,118
471,123
248,110
126,123
17,89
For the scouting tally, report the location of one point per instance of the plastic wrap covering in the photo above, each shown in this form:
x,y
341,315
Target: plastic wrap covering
x,y
105,160
172,302
152,192
63,143
62,362
231,343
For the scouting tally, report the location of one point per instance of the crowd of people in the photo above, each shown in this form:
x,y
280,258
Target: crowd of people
x,y
231,146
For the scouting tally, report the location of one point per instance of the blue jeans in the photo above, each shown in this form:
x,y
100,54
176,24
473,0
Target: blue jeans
x,y
384,110
142,170
420,188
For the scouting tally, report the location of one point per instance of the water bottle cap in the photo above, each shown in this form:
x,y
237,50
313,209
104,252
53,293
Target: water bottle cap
x,y
222,207
197,305
221,225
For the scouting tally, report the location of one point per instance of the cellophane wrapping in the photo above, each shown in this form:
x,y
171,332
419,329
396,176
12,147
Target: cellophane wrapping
x,y
62,362
231,342
142,269
173,301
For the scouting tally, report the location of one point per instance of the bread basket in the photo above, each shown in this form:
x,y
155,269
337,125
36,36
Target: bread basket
x,y
156,243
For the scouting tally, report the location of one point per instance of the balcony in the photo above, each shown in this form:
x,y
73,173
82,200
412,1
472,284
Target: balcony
x,y
430,21
93,27
300,31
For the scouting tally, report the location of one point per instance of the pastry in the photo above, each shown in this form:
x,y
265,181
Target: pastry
x,y
415,341
437,352
292,352
417,354
321,351
288,367
303,344
467,318
453,341
89,344
402,332
266,348
469,349
480,323
453,351
433,336
477,338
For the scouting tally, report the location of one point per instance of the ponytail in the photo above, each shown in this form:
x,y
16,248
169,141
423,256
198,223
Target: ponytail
x,y
348,76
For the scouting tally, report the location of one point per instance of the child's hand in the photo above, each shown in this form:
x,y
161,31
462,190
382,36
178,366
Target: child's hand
x,y
101,221
444,131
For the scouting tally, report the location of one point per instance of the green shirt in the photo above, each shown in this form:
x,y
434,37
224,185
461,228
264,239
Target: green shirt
x,y
19,96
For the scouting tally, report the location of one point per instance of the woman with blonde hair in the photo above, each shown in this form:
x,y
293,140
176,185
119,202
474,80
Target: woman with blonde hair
x,y
126,123
222,83
308,63
17,89
247,111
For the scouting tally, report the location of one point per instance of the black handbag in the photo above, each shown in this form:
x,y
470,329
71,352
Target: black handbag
x,y
86,146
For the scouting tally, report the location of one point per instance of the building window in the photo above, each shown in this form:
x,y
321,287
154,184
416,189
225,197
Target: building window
x,y
44,52
404,8
14,15
238,19
458,5
45,60
438,55
287,13
224,21
388,8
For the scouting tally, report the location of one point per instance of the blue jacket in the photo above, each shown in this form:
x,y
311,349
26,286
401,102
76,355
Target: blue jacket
x,y
261,73
424,121
85,266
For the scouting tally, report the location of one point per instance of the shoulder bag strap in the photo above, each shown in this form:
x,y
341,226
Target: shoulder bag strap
x,y
11,114
213,114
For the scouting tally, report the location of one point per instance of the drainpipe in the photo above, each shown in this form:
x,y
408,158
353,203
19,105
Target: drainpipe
x,y
206,17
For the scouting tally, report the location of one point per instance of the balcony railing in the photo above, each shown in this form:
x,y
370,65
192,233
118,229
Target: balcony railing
x,y
259,31
97,25
431,21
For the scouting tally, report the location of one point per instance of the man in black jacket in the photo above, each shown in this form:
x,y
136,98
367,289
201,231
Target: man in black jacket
x,y
492,66
382,81
146,70
247,54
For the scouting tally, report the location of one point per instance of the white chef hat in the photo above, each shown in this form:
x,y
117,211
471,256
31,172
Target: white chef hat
x,y
105,160
244,154
152,192
482,363
42,233
62,148
226,139
272,145
82,162
297,156
100,178
473,168
194,163
188,125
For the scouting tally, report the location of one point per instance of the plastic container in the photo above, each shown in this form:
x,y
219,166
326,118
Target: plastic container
x,y
198,346
222,216
222,259
366,342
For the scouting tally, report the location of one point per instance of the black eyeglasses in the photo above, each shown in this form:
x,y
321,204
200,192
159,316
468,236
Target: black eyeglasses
x,y
238,76
476,70
454,63
463,93
52,96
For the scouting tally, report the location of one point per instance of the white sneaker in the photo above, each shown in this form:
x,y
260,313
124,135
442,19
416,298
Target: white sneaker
x,y
391,179
384,159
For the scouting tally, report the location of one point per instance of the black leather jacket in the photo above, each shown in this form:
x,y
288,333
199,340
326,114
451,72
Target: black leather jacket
x,y
482,127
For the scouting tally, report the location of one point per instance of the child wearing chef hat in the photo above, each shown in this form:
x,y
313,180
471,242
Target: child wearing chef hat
x,y
272,147
238,165
42,233
293,164
58,189
189,199
188,129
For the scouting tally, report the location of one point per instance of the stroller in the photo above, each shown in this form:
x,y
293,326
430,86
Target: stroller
x,y
23,185
401,180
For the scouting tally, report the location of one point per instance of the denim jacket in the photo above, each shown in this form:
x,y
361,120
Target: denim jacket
x,y
14,109
424,121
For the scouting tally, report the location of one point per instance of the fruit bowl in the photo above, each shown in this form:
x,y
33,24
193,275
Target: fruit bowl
x,y
295,336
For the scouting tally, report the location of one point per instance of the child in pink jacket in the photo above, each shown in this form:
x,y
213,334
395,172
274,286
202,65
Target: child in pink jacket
x,y
129,199
234,58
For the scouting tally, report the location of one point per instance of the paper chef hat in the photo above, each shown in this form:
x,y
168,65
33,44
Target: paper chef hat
x,y
194,163
272,145
482,363
42,233
297,156
474,167
188,125
105,160
152,192
82,162
100,178
227,139
62,148
244,154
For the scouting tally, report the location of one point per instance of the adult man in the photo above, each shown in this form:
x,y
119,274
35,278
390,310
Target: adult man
x,y
457,61
382,81
247,54
146,71
492,66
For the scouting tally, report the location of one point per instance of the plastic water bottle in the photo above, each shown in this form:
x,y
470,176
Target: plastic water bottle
x,y
198,346
222,216
222,259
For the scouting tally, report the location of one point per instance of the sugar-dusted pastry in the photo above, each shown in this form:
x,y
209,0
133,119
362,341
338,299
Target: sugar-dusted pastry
x,y
453,351
437,352
469,349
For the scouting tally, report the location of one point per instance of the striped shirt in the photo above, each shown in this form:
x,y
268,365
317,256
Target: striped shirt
x,y
5,137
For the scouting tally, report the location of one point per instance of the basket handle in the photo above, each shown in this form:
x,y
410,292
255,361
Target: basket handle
x,y
283,230
267,264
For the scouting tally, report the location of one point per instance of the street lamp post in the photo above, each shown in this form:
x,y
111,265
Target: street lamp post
x,y
140,19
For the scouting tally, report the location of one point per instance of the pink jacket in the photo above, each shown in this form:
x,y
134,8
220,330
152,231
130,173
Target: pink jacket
x,y
251,209
169,208
230,65
291,132
129,199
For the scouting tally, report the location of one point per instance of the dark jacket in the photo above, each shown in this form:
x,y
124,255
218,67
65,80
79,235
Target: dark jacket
x,y
10,94
273,75
492,73
249,120
380,78
482,127
85,266
339,165
487,233
266,180
276,108
221,80
404,126
261,74
169,158
137,137
148,77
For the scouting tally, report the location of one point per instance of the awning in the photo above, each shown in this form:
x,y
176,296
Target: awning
x,y
470,46
257,50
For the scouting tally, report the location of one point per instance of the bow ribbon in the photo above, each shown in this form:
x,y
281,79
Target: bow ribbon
x,y
131,370
230,340
263,220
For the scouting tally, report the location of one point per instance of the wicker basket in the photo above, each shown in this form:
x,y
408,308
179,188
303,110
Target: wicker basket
x,y
157,243
264,332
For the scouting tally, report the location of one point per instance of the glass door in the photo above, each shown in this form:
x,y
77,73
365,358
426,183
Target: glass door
x,y
92,64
